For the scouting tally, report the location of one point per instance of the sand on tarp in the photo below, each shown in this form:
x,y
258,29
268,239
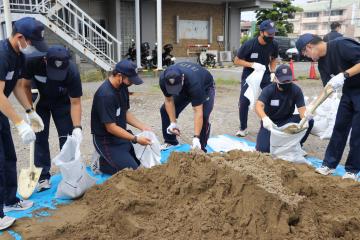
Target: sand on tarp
x,y
235,195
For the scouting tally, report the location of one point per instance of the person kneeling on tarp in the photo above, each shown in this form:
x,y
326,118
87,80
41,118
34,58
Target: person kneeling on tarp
x,y
276,105
109,117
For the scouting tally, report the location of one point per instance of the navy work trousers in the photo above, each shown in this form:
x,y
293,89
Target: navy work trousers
x,y
63,123
115,155
244,103
180,104
263,137
348,117
8,175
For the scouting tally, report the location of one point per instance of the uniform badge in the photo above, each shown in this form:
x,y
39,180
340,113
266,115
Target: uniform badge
x,y
272,24
58,63
42,33
284,71
172,81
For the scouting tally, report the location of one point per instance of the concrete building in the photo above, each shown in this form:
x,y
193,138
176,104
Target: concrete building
x,y
315,17
102,30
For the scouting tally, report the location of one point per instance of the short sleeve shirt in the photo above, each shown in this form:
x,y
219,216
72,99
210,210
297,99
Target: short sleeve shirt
x,y
197,82
281,105
11,66
253,51
53,91
110,105
342,54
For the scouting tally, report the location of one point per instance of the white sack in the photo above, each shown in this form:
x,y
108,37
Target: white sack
x,y
150,155
253,81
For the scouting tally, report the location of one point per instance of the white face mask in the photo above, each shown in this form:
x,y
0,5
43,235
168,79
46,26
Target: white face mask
x,y
29,49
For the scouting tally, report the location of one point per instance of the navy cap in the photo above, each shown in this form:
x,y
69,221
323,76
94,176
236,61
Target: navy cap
x,y
58,59
283,73
303,41
129,69
268,26
32,30
173,81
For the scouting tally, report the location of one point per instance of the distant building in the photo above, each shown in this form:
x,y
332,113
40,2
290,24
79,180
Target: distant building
x,y
315,17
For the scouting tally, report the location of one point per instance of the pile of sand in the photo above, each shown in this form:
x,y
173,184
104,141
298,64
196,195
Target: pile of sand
x,y
236,195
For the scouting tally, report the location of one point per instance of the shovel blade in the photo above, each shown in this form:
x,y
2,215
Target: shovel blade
x,y
27,182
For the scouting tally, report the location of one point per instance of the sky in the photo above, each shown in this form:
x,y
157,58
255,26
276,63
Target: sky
x,y
250,15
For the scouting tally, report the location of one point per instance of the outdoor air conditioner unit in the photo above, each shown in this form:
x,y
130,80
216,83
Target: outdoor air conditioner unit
x,y
225,56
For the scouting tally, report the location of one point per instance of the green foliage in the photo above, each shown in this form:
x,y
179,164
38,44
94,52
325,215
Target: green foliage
x,y
244,39
280,13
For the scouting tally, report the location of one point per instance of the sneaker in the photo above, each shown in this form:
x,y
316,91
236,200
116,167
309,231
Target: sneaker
x,y
166,146
43,185
350,175
324,170
95,164
19,206
242,133
6,222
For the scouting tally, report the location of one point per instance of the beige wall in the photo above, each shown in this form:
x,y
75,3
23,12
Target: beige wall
x,y
191,11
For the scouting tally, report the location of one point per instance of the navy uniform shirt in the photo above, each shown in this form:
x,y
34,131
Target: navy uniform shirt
x,y
331,36
342,54
280,105
11,64
109,106
197,82
253,51
53,91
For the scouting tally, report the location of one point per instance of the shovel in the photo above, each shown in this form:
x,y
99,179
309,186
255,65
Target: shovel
x,y
29,177
296,128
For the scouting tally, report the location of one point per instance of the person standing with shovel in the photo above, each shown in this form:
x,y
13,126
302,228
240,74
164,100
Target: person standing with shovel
x,y
27,37
339,67
276,105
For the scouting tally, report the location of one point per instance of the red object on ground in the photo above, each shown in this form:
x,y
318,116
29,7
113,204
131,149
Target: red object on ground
x,y
312,74
292,69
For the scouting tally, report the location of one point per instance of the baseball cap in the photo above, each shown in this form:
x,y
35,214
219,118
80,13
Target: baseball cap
x,y
303,41
32,30
129,69
173,81
268,26
58,59
283,73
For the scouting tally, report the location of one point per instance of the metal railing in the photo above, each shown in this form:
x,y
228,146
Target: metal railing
x,y
66,15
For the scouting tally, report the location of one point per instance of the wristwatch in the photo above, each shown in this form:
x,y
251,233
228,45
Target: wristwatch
x,y
78,126
29,110
346,75
197,136
134,140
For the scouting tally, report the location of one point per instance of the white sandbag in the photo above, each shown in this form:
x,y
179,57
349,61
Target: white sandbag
x,y
253,91
320,126
226,144
287,146
75,180
150,155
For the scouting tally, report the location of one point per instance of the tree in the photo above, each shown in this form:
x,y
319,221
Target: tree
x,y
280,13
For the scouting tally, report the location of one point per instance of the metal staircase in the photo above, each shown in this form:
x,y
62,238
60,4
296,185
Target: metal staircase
x,y
73,25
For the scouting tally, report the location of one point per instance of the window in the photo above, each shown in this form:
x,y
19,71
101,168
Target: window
x,y
310,26
334,13
311,14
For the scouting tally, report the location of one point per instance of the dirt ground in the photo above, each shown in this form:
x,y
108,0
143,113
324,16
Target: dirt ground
x,y
236,195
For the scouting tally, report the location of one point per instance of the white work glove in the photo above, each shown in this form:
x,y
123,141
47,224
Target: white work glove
x,y
337,82
258,67
26,133
272,77
267,123
308,115
35,121
77,133
173,129
196,143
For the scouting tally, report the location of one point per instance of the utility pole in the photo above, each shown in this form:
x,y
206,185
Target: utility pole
x,y
330,5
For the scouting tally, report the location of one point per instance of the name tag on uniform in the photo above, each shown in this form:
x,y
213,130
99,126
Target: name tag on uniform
x,y
41,79
9,75
254,55
118,112
275,103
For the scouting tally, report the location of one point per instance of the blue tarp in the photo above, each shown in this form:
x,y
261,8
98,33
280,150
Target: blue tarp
x,y
46,200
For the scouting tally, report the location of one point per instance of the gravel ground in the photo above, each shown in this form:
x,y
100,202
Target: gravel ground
x,y
147,99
